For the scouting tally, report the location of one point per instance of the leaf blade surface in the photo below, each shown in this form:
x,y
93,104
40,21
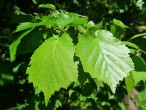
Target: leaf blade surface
x,y
104,57
52,65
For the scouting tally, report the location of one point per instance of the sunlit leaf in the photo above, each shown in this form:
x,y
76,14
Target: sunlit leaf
x,y
104,57
119,23
52,65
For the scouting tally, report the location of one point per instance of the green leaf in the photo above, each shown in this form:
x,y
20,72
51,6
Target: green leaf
x,y
78,20
49,6
65,19
26,25
81,29
139,62
119,23
142,27
61,20
139,76
130,44
130,83
133,51
14,45
52,65
47,22
104,57
138,35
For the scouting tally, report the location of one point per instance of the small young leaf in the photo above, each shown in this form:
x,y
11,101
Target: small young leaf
x,y
138,35
104,57
142,27
119,23
26,25
52,65
130,44
130,83
49,6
